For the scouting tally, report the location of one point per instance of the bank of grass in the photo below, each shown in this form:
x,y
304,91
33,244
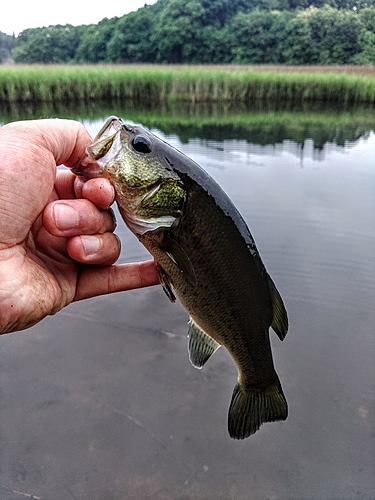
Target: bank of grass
x,y
185,83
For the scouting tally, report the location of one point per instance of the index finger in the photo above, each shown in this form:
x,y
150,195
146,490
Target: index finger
x,y
66,140
101,280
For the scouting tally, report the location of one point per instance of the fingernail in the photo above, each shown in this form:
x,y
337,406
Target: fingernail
x,y
66,217
91,244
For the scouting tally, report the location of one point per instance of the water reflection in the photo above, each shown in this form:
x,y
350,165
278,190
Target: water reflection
x,y
263,124
100,401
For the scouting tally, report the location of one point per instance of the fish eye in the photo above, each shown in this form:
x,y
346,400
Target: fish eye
x,y
142,144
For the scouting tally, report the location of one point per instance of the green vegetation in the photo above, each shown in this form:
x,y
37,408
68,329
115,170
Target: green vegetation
x,y
213,32
183,83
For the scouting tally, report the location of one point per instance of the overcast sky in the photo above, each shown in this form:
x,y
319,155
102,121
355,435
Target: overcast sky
x,y
21,14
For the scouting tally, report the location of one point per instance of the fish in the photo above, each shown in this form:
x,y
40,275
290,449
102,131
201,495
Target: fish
x,y
205,255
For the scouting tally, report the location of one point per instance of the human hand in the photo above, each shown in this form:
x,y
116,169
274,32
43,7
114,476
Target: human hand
x,y
56,231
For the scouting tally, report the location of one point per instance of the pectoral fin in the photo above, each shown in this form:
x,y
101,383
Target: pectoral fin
x,y
201,346
165,283
178,255
280,317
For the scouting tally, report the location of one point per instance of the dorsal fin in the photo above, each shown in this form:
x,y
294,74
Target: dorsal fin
x,y
280,316
201,346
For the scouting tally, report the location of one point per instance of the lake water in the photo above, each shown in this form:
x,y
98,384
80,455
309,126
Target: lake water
x,y
100,401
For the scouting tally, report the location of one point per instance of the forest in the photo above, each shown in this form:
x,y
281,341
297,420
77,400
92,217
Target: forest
x,y
288,32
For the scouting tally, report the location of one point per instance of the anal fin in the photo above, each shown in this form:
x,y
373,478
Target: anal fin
x,y
280,317
201,346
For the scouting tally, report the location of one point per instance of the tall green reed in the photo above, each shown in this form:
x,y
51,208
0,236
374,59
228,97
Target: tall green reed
x,y
181,83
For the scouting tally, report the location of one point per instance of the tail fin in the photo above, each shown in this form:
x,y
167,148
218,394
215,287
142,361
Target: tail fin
x,y
249,409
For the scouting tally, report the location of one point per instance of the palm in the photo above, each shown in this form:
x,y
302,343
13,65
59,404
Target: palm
x,y
40,276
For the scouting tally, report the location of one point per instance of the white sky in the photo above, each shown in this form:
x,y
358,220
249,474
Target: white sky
x,y
22,14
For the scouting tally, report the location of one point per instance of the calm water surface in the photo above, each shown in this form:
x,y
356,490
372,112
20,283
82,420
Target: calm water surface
x,y
100,402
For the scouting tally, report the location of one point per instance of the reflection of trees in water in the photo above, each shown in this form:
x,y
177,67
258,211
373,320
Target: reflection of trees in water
x,y
268,123
263,123
273,134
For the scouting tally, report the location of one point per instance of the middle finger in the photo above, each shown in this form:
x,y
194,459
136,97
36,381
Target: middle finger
x,y
77,217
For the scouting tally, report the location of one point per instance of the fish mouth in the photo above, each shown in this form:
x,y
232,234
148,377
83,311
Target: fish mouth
x,y
104,147
112,125
87,168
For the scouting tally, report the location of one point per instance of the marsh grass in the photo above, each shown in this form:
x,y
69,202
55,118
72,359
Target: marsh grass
x,y
186,83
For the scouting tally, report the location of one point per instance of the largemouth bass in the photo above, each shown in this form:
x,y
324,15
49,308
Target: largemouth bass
x,y
205,255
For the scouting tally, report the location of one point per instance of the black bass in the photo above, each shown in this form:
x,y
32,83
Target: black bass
x,y
205,255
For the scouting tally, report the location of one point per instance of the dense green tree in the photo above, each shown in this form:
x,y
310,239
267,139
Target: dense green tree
x,y
367,18
131,39
93,44
217,13
7,43
354,5
334,35
55,44
253,40
367,44
294,43
213,31
178,34
366,37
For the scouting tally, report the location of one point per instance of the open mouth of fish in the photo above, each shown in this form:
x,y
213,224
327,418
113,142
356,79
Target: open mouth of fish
x,y
100,152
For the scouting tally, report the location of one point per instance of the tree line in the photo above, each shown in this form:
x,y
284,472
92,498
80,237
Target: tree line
x,y
211,32
7,44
